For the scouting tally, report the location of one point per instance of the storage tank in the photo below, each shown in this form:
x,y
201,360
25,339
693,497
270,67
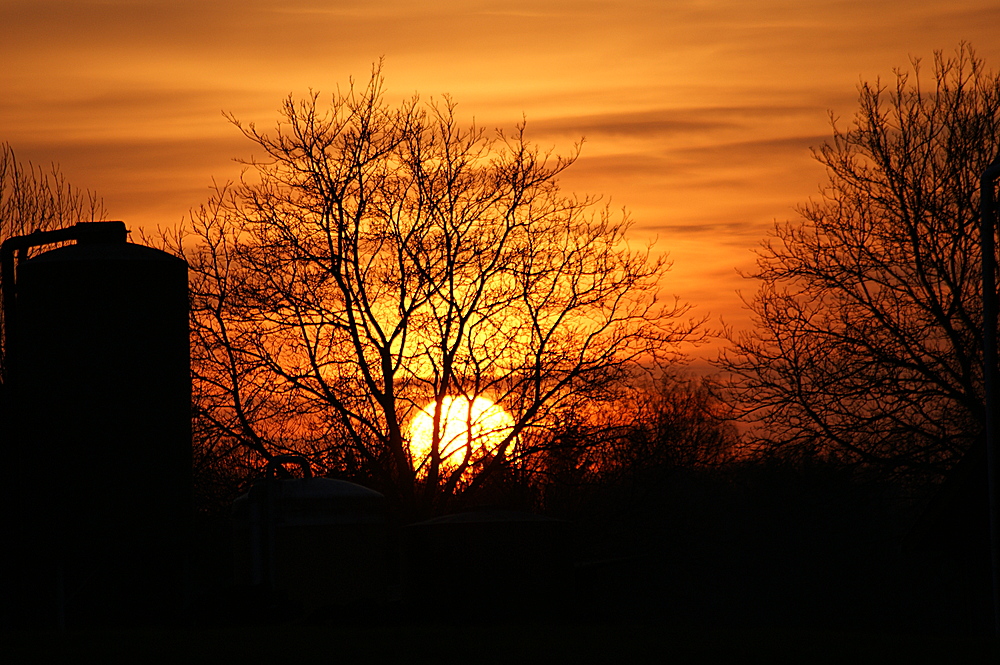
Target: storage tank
x,y
489,565
99,381
316,542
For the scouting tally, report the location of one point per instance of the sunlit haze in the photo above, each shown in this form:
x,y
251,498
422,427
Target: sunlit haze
x,y
698,115
477,426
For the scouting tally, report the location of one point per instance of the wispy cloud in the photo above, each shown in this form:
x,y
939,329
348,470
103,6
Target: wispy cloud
x,y
698,115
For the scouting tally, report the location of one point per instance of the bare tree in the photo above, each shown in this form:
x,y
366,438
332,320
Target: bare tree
x,y
379,261
36,199
633,446
867,325
33,199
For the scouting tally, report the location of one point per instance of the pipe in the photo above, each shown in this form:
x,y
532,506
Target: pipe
x,y
82,232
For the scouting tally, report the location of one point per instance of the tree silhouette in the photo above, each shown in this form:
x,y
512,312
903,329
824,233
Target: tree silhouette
x,y
377,260
35,199
867,325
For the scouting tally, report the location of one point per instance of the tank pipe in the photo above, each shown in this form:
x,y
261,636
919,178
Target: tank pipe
x,y
82,232
276,466
991,372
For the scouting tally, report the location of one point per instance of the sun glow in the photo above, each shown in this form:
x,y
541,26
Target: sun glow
x,y
476,427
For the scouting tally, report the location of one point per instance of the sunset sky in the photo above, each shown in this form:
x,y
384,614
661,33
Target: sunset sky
x,y
698,115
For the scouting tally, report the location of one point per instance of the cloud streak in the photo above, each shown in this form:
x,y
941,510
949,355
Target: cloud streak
x,y
698,116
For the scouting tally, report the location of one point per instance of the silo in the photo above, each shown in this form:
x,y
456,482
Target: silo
x,y
319,543
489,565
99,379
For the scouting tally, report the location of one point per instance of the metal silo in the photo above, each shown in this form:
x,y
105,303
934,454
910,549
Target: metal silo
x,y
319,542
98,376
489,565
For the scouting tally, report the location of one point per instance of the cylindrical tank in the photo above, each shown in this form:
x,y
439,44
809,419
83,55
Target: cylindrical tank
x,y
494,565
100,387
319,542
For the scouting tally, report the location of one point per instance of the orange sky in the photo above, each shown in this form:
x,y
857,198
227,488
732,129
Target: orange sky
x,y
698,114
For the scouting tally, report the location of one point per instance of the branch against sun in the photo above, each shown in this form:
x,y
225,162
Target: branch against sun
x,y
383,276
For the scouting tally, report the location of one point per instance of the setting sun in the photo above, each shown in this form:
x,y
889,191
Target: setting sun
x,y
476,426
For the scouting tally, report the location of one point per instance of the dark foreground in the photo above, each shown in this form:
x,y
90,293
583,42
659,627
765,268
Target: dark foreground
x,y
492,644
770,565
